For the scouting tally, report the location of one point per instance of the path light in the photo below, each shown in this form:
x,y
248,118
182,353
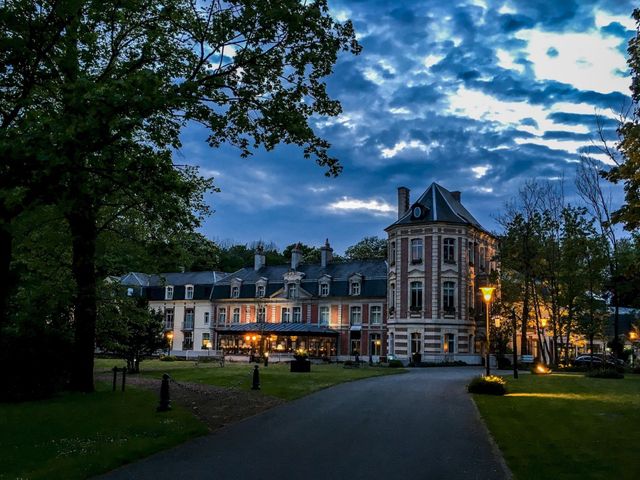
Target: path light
x,y
487,294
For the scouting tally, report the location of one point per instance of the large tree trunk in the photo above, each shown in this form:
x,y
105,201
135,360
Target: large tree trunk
x,y
524,350
6,280
82,223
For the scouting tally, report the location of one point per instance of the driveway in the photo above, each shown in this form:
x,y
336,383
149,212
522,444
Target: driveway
x,y
419,425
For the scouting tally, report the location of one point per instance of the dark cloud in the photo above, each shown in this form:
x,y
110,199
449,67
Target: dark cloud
x,y
404,96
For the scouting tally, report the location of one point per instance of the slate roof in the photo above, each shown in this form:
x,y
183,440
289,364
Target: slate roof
x,y
374,279
440,206
172,278
281,328
338,271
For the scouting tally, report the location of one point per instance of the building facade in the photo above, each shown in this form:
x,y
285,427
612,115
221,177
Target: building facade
x,y
422,301
437,250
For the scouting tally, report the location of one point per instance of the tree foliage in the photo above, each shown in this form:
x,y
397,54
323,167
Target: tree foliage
x,y
95,95
367,248
627,170
126,327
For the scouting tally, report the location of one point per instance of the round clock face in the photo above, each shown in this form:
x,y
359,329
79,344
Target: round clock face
x,y
417,212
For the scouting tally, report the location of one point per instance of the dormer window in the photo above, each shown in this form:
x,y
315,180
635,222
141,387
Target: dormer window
x,y
292,290
235,292
260,290
355,288
324,289
188,292
168,292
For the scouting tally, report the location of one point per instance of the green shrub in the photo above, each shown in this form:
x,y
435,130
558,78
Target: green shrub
x,y
168,358
395,364
604,373
491,385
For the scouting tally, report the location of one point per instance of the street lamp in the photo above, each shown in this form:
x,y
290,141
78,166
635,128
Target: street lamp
x,y
170,338
633,336
487,293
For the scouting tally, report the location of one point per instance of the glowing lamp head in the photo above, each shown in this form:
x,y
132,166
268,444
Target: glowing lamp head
x,y
543,322
247,338
633,335
253,338
487,293
170,336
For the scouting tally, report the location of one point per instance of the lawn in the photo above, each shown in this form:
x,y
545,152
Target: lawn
x,y
74,436
275,379
567,426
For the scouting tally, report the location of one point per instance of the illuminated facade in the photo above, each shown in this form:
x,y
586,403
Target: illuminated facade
x,y
436,251
421,301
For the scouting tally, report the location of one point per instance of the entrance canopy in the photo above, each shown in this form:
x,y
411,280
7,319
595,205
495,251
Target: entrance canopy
x,y
277,329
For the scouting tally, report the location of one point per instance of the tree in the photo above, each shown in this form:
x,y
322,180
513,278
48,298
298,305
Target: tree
x,y
111,85
367,248
627,165
127,328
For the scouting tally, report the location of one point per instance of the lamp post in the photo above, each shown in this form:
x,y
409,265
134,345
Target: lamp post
x,y
487,293
170,338
633,336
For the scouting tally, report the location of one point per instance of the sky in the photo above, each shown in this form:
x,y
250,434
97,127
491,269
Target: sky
x,y
476,95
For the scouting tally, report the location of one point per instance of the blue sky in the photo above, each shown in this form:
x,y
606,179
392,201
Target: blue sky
x,y
477,95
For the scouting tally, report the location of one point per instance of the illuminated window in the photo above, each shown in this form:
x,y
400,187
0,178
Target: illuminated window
x,y
375,341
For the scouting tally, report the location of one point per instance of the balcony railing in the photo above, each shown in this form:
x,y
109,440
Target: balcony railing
x,y
187,325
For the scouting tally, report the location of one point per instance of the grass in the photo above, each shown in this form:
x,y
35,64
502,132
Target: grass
x,y
275,380
566,426
74,436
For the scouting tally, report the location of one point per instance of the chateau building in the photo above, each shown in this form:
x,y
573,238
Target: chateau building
x,y
436,250
422,301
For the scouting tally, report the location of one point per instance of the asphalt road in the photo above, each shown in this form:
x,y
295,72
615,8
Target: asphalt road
x,y
419,425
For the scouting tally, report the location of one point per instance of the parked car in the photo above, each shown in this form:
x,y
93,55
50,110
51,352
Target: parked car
x,y
596,360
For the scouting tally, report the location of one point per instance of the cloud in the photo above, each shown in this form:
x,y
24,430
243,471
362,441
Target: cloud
x,y
587,61
347,204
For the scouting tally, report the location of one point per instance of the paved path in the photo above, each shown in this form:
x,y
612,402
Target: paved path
x,y
419,425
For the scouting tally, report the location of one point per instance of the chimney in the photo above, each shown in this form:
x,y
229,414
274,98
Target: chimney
x,y
296,256
326,254
456,195
259,258
403,201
